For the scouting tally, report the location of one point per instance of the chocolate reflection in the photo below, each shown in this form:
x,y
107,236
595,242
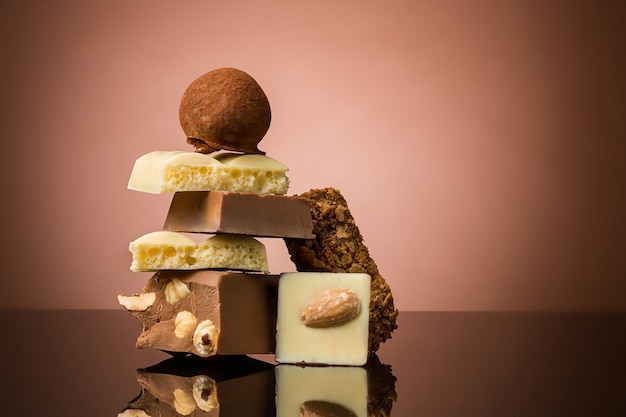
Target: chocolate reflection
x,y
341,391
217,386
381,383
241,385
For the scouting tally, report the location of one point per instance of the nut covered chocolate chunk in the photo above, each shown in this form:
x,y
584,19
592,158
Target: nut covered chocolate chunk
x,y
225,109
338,247
206,312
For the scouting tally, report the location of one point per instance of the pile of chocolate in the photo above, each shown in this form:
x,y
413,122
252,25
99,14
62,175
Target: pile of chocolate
x,y
215,295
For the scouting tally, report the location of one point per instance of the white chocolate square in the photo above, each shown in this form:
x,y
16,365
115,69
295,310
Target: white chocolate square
x,y
344,387
345,344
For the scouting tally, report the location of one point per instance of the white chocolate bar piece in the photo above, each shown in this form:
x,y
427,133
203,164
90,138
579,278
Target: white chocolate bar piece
x,y
316,391
171,250
162,171
323,318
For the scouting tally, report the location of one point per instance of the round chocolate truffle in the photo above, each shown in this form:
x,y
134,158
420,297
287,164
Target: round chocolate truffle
x,y
225,109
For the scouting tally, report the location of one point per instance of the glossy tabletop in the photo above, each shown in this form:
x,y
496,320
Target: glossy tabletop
x,y
84,363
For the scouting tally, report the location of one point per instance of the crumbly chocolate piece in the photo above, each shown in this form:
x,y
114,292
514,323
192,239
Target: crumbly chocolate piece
x,y
338,247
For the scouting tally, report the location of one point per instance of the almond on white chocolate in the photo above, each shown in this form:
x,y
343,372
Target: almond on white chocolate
x,y
331,308
323,318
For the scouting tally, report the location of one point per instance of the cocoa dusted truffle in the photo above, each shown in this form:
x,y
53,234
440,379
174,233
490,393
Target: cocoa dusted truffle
x,y
225,109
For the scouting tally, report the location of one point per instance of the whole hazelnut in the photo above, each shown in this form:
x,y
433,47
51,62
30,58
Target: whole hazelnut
x,y
225,109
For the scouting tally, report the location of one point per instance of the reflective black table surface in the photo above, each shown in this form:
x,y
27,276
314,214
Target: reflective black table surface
x,y
84,363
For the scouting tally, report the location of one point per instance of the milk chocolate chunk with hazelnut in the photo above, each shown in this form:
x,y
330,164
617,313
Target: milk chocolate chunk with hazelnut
x,y
207,312
225,109
338,247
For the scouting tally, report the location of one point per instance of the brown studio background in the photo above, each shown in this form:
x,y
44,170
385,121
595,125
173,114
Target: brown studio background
x,y
480,144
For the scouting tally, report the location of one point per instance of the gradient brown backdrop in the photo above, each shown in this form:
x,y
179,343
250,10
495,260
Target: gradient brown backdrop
x,y
480,144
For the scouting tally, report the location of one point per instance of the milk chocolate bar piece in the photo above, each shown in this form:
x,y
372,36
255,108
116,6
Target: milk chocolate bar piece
x,y
222,386
162,171
243,213
171,250
345,391
207,312
323,318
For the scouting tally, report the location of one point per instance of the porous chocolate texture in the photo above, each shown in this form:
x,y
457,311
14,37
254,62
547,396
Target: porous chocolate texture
x,y
338,247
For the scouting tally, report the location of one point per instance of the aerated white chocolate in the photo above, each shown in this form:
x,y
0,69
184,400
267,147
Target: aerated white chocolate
x,y
162,171
172,250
